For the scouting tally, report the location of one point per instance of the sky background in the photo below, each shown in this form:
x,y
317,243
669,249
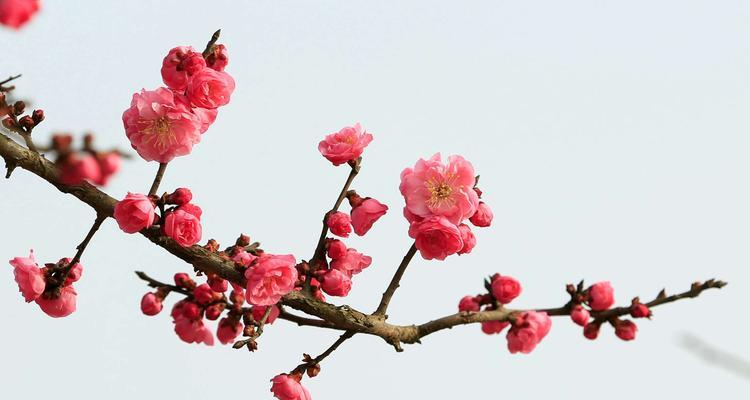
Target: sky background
x,y
611,137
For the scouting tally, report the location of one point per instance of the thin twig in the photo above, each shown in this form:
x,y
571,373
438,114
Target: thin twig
x,y
395,282
82,247
303,321
157,179
159,285
9,79
315,361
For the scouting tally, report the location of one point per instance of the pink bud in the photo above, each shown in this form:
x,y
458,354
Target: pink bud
x,y
505,288
601,296
468,303
591,331
60,306
626,330
580,315
352,263
528,330
134,213
183,280
244,258
339,223
189,310
218,59
483,216
288,387
259,311
218,284
151,304
180,196
76,169
15,13
210,88
639,310
365,215
336,249
109,164
213,312
179,64
336,283
468,238
75,273
228,330
494,327
203,294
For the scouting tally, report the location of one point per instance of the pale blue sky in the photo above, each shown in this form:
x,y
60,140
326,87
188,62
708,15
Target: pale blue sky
x,y
612,140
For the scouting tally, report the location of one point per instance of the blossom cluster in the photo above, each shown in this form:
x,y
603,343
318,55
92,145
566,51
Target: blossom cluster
x,y
440,197
167,122
600,297
88,164
51,286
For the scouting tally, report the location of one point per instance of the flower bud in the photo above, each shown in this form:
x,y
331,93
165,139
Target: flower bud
x,y
26,122
151,304
591,331
37,116
183,280
180,196
19,107
626,330
580,315
213,312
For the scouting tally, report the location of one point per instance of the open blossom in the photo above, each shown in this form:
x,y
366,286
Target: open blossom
x,y
352,263
60,306
626,330
365,214
505,288
601,296
433,188
436,237
179,65
271,278
29,277
151,304
183,227
336,283
468,238
134,213
210,88
345,145
288,387
161,125
494,327
76,169
580,315
207,116
228,330
16,13
259,311
530,328
339,223
244,258
483,216
468,303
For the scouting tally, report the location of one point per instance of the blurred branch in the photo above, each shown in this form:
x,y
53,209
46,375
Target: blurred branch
x,y
712,355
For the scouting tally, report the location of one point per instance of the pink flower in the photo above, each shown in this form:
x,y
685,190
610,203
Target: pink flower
x,y
336,283
580,315
271,278
433,188
218,59
160,125
468,303
207,117
109,164
60,306
193,331
483,216
530,328
16,13
601,296
228,330
75,273
29,277
183,280
365,214
591,331
494,327
260,311
134,213
151,304
179,65
639,310
244,258
288,387
352,263
626,330
191,209
505,288
183,227
339,223
336,249
210,88
468,238
436,237
76,169
180,196
345,145
218,284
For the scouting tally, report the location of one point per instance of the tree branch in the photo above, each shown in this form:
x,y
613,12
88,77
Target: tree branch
x,y
157,179
395,283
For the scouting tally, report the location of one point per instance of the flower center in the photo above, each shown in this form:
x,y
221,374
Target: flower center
x,y
440,193
159,132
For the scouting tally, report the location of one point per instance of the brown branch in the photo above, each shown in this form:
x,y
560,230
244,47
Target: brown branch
x,y
395,283
320,247
157,179
315,361
9,79
303,321
81,248
161,285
